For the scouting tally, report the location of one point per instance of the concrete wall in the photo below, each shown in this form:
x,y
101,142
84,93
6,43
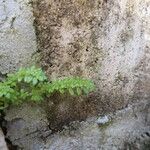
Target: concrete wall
x,y
107,41
17,35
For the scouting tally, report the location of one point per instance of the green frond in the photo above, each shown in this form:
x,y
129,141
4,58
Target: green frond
x,y
31,84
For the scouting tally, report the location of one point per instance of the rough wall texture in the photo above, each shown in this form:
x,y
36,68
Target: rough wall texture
x,y
127,129
27,126
107,41
17,36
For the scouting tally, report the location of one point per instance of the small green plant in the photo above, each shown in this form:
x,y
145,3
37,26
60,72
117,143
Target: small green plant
x,y
31,84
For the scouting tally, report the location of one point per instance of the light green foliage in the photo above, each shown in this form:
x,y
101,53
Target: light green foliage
x,y
21,86
31,84
75,86
31,75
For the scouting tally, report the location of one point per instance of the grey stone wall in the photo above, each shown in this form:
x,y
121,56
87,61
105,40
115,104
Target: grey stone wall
x,y
126,129
17,35
107,41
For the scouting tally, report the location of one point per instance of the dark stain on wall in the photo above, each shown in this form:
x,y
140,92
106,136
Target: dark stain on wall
x,y
67,33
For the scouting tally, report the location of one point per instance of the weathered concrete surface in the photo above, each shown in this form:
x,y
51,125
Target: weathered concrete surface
x,y
107,41
17,36
27,127
127,129
3,145
17,39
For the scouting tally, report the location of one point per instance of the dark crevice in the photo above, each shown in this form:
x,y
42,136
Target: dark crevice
x,y
147,133
10,145
3,123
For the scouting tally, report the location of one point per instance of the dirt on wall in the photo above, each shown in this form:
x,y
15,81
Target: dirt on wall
x,y
66,34
101,40
107,41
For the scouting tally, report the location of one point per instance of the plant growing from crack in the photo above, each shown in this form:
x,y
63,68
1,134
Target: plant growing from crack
x,y
31,84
